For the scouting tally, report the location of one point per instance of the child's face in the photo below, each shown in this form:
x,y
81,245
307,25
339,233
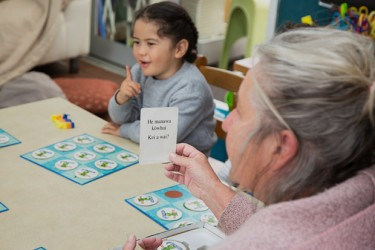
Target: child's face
x,y
156,55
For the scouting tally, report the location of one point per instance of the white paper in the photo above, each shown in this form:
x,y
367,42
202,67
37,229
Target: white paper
x,y
158,136
197,236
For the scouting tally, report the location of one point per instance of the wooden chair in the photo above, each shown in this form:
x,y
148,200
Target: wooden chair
x,y
220,78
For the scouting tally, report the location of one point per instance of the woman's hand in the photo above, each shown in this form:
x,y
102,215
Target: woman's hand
x,y
111,128
146,243
150,243
128,88
191,168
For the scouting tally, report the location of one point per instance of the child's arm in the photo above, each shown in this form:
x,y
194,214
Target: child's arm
x,y
125,116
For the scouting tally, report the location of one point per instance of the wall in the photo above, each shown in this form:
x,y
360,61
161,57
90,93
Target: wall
x,y
293,10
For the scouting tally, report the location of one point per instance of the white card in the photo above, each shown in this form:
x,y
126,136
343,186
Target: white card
x,y
158,135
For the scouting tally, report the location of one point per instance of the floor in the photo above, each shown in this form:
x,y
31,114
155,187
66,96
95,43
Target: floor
x,y
88,68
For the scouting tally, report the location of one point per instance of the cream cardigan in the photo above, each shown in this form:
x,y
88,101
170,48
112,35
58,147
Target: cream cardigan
x,y
27,29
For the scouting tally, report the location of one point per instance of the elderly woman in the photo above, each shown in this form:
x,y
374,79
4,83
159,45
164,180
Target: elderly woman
x,y
302,141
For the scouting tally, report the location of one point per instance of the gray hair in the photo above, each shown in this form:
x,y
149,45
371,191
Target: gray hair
x,y
321,83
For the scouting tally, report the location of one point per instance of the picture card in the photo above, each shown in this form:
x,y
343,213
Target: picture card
x,y
83,158
158,135
3,208
173,207
197,236
7,139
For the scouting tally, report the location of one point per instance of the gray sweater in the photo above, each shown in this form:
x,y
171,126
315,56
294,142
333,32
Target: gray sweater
x,y
188,90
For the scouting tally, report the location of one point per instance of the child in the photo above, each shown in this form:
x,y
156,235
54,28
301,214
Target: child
x,y
165,46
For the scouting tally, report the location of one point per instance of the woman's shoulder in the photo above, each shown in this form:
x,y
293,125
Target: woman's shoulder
x,y
355,194
307,221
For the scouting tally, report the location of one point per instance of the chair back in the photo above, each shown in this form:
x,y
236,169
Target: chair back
x,y
220,78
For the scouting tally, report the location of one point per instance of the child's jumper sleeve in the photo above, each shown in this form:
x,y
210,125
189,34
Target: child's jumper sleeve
x,y
126,115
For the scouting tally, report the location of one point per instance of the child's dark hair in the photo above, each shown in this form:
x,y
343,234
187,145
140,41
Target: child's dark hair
x,y
174,22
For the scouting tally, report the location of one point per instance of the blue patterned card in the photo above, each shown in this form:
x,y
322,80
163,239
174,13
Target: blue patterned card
x,y
82,159
6,139
173,207
3,208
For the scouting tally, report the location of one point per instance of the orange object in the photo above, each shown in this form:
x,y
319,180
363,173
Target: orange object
x,y
62,121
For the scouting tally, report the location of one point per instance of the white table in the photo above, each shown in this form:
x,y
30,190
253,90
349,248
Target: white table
x,y
47,210
243,65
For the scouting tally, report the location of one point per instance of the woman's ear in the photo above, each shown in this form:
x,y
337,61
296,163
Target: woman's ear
x,y
286,150
181,48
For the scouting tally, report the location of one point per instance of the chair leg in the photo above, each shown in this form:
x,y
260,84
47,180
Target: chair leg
x,y
74,65
237,27
247,18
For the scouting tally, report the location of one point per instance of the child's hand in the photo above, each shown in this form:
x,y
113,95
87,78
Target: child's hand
x,y
128,88
111,128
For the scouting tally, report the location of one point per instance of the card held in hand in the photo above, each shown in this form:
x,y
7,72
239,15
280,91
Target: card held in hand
x,y
158,134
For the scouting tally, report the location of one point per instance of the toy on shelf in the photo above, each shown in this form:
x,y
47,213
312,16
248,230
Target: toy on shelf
x,y
62,121
359,20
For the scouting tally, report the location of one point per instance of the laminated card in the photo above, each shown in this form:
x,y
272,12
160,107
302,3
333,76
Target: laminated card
x,y
158,135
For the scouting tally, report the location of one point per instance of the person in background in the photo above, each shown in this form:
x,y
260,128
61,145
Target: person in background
x,y
165,46
302,141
